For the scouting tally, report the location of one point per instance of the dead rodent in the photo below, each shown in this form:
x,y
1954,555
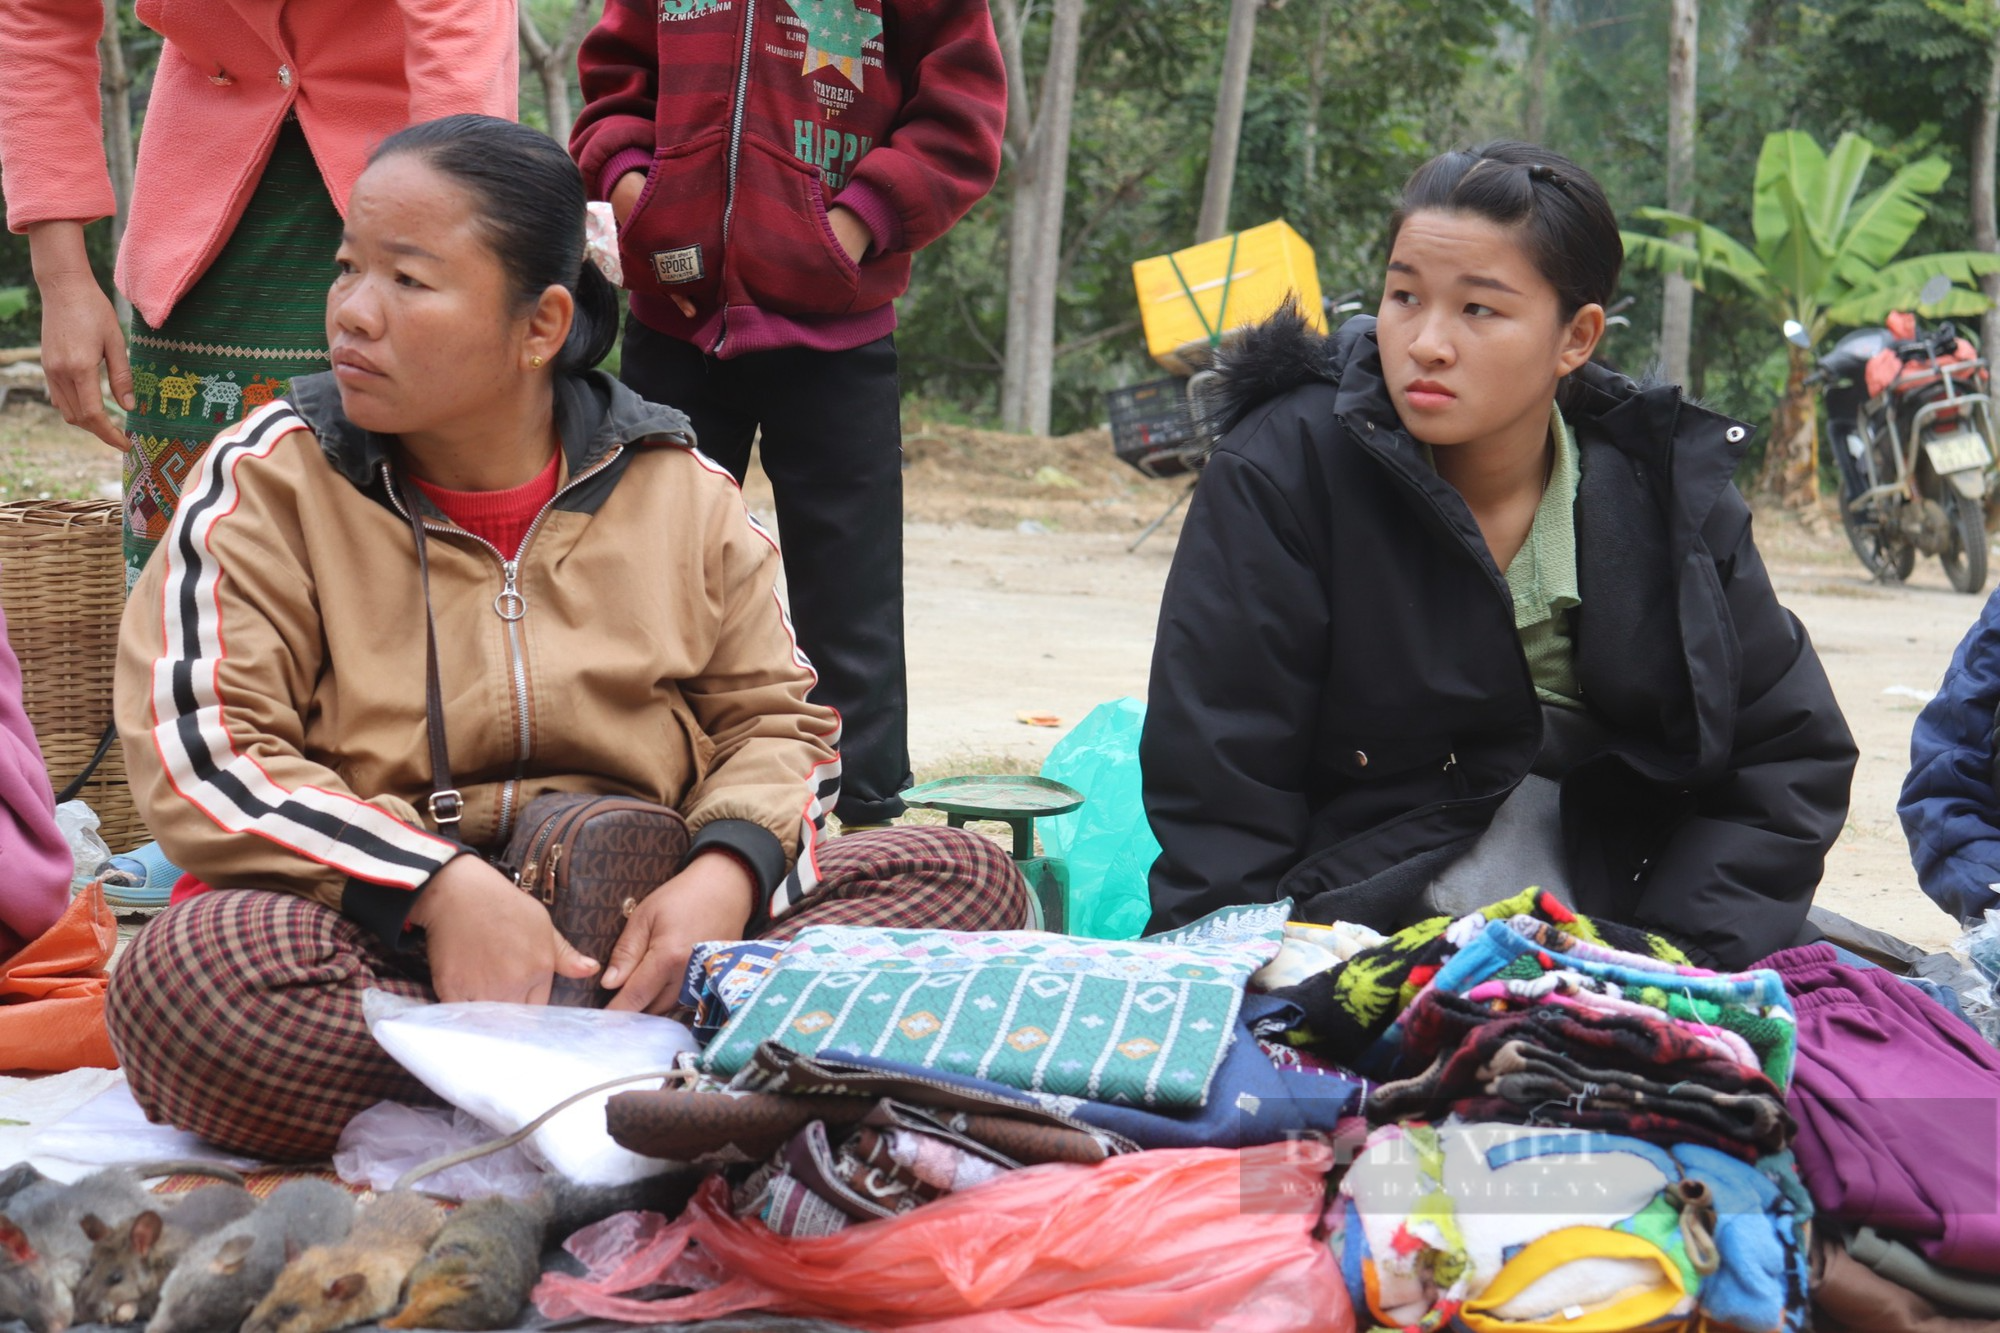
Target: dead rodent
x,y
43,1248
485,1261
224,1274
356,1280
479,1270
17,1178
128,1264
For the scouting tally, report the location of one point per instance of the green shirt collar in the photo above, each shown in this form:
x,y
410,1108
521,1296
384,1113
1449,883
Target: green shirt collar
x,y
1542,575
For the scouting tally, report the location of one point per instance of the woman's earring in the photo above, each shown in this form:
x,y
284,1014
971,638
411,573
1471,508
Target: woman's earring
x,y
536,363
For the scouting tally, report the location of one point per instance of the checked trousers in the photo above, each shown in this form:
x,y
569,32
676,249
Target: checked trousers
x,y
237,1014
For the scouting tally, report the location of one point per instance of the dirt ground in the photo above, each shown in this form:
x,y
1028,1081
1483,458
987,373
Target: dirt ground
x,y
1023,599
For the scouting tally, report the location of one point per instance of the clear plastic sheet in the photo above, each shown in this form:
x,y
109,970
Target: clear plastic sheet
x,y
628,1238
389,1138
107,1129
88,853
1974,987
506,1064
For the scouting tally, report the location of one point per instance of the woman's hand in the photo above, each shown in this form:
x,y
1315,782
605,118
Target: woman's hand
x,y
80,332
710,900
488,940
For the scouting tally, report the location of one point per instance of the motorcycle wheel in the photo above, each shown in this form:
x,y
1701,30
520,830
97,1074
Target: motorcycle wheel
x,y
1965,561
1887,558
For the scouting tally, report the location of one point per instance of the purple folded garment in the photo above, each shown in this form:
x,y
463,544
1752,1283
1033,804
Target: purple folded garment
x,y
1898,1106
34,859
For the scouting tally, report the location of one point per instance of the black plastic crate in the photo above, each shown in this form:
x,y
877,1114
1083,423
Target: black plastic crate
x,y
1151,429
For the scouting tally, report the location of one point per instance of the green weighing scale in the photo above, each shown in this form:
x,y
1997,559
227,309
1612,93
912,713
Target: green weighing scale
x,y
1016,800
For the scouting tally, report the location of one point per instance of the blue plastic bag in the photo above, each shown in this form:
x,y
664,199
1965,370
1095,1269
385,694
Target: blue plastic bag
x,y
1107,844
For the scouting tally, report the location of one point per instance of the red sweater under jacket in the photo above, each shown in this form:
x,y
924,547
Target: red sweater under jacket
x,y
751,118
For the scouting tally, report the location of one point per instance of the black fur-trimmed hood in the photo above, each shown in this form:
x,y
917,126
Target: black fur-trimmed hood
x,y
1263,361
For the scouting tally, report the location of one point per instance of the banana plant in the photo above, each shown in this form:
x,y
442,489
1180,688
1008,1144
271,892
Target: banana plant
x,y
1823,254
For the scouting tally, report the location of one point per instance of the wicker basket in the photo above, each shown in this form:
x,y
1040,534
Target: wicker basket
x,y
62,582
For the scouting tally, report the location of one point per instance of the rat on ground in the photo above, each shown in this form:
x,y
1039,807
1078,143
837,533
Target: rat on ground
x,y
223,1275
354,1280
43,1246
488,1256
129,1264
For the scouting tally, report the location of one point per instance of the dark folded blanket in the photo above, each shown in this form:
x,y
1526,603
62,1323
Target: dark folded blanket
x,y
1615,1072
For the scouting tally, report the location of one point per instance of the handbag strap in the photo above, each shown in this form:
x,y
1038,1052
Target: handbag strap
x,y
447,803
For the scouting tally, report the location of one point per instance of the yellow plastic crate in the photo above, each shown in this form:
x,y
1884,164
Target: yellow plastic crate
x,y
1223,284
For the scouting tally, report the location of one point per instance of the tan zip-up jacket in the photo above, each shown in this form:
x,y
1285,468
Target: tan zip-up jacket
x,y
270,687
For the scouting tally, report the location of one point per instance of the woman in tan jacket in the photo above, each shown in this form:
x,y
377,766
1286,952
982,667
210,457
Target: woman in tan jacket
x,y
607,621
259,116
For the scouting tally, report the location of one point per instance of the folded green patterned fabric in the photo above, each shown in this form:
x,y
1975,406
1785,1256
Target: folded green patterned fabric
x,y
1139,1023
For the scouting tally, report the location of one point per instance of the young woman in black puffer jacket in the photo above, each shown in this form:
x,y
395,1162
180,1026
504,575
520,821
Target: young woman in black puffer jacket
x,y
1456,611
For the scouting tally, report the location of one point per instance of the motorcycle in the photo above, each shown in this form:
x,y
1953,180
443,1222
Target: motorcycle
x,y
1909,420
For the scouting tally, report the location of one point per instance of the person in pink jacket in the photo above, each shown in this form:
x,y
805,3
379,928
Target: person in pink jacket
x,y
261,116
34,860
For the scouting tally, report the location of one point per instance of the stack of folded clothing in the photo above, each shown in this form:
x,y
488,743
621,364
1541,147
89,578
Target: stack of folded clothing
x,y
1524,1020
1573,1123
1485,1226
1898,1109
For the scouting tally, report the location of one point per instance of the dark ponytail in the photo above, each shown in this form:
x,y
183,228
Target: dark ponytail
x,y
1565,221
529,199
595,328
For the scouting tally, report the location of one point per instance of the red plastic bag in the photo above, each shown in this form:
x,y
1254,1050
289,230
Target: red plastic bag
x,y
1186,1239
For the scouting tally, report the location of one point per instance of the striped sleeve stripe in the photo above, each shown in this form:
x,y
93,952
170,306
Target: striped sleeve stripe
x,y
190,720
823,781
805,874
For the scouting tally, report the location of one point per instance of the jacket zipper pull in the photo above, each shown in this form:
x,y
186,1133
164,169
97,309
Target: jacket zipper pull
x,y
508,603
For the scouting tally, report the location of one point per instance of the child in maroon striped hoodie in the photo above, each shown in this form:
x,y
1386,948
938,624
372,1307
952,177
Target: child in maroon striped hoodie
x,y
773,164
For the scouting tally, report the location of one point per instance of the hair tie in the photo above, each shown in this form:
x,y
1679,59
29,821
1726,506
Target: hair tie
x,y
1540,171
600,241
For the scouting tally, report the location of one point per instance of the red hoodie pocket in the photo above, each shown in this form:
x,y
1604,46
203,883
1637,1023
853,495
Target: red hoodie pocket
x,y
783,255
672,242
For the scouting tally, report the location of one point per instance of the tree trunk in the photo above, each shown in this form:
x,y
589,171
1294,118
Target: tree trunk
x,y
1985,144
1222,144
555,94
1023,225
1309,132
1532,108
1034,232
1677,309
1791,457
1021,213
115,84
1020,112
553,62
1045,255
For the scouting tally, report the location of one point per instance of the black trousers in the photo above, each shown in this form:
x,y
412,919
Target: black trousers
x,y
832,445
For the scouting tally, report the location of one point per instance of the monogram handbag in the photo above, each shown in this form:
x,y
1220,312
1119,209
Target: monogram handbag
x,y
591,860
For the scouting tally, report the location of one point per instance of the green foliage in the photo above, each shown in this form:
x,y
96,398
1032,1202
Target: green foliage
x,y
1347,96
1820,255
13,301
